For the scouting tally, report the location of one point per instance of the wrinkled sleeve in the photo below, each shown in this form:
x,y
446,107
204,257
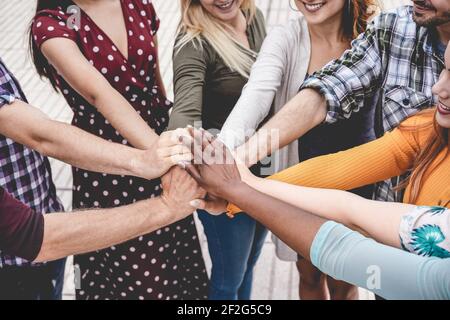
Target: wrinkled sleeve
x,y
348,82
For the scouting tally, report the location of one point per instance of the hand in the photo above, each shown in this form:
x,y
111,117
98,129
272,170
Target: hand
x,y
215,206
214,167
170,150
179,189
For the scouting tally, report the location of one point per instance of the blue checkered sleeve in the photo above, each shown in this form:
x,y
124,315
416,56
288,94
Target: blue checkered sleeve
x,y
348,82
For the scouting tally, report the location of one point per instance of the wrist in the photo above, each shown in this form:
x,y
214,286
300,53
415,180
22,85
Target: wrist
x,y
235,191
163,213
135,164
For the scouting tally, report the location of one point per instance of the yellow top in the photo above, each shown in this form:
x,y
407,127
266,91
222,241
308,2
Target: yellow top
x,y
389,156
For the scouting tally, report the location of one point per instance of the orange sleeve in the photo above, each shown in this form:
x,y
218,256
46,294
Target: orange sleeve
x,y
387,157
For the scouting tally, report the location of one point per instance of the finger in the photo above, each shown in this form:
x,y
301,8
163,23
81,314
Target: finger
x,y
194,173
196,147
191,130
207,138
179,159
171,151
173,138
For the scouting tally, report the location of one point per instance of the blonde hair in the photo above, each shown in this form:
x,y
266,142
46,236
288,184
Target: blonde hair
x,y
198,25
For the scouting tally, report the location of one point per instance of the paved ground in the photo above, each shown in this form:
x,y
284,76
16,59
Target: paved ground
x,y
274,279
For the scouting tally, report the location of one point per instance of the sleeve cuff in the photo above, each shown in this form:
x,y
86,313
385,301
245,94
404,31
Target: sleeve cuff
x,y
37,245
6,98
332,101
320,240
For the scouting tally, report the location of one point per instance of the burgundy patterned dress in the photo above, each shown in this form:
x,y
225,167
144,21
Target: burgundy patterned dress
x,y
168,263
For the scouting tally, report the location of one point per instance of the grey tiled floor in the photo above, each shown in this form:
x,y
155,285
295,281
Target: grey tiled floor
x,y
274,279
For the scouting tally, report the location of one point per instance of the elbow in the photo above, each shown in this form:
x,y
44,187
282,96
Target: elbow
x,y
320,110
315,109
45,256
93,98
41,257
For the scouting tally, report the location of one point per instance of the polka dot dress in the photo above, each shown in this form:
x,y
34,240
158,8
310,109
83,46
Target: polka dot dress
x,y
168,263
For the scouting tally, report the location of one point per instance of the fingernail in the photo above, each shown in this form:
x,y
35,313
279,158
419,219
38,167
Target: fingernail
x,y
195,203
182,164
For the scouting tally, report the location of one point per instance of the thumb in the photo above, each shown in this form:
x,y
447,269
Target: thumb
x,y
211,207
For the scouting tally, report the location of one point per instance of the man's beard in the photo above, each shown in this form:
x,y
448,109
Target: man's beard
x,y
433,21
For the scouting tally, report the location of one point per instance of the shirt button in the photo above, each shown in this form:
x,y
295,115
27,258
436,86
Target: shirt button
x,y
406,102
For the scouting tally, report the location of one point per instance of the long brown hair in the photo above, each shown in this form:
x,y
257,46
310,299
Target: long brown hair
x,y
39,60
357,15
436,143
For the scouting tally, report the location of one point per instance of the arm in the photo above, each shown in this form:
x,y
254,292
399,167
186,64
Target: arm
x,y
258,94
76,233
189,69
301,114
29,126
68,60
389,156
388,272
221,179
341,88
334,249
379,220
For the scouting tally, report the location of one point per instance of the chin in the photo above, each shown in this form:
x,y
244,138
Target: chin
x,y
443,121
314,20
227,16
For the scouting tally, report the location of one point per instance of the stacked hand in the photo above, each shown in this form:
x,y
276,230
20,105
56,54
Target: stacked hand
x,y
208,161
170,149
179,191
215,170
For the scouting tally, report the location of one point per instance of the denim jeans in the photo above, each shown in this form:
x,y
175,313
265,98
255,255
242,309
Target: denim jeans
x,y
234,246
33,283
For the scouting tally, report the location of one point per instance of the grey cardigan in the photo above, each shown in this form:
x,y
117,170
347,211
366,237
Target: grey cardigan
x,y
275,78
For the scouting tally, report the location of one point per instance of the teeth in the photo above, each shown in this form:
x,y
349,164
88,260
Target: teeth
x,y
445,107
314,6
226,5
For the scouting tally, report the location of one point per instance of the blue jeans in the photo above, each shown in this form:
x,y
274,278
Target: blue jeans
x,y
234,246
33,283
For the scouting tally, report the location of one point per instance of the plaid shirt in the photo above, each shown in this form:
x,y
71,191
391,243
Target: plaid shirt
x,y
389,72
23,172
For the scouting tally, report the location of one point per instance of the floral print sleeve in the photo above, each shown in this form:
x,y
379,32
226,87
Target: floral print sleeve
x,y
426,231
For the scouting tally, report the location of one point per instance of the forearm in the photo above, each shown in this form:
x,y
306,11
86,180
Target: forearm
x,y
190,68
258,94
94,87
31,127
329,204
294,226
122,116
378,220
251,109
185,115
85,231
83,150
304,112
